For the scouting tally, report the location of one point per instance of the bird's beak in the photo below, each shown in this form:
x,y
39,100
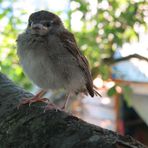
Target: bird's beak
x,y
37,26
39,29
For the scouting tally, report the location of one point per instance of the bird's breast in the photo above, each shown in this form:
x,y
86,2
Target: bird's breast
x,y
34,58
49,65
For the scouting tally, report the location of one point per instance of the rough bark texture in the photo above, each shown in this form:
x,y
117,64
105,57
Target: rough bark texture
x,y
30,127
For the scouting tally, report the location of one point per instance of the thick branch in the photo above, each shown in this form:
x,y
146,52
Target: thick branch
x,y
111,60
30,127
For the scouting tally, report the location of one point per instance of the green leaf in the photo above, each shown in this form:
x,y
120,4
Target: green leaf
x,y
112,91
127,92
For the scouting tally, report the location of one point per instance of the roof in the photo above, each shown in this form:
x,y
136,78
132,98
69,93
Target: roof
x,y
134,69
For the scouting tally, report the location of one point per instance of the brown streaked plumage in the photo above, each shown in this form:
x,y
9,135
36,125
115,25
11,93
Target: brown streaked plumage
x,y
50,56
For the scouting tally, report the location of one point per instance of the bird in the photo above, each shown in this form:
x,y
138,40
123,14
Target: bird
x,y
51,58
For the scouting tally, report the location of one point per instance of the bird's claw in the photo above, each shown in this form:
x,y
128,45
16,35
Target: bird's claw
x,y
32,100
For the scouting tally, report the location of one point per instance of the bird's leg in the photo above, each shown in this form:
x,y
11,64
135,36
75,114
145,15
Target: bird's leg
x,y
36,98
53,106
66,102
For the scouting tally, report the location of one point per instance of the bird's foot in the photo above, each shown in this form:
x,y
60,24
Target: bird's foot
x,y
53,106
32,100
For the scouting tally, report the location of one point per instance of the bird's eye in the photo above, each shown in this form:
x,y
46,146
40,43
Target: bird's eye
x,y
47,24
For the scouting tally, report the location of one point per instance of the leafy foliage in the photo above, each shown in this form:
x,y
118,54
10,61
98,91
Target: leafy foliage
x,y
123,89
127,92
112,91
9,31
108,24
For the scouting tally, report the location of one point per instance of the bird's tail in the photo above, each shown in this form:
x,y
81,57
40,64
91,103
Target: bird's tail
x,y
96,92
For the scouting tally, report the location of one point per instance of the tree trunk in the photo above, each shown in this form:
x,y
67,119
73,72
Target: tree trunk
x,y
31,127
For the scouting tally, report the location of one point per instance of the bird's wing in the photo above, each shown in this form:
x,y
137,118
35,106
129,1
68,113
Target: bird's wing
x,y
70,44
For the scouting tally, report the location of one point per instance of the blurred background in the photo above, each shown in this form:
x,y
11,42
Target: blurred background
x,y
113,35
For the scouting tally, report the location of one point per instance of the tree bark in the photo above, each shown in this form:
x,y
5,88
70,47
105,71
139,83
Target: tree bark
x,y
31,127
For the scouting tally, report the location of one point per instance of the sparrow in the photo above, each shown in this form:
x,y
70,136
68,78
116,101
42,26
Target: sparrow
x,y
51,58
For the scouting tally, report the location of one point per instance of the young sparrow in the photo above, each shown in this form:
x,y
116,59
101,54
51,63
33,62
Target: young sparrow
x,y
51,58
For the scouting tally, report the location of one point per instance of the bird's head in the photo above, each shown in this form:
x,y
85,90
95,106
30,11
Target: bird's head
x,y
43,22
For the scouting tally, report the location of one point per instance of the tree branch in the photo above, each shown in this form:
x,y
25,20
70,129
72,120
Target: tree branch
x,y
111,60
30,127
